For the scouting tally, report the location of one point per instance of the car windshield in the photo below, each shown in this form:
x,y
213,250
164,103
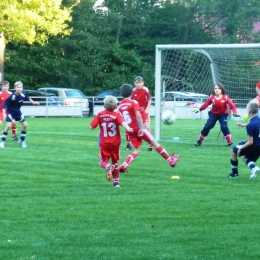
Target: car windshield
x,y
110,92
74,93
185,97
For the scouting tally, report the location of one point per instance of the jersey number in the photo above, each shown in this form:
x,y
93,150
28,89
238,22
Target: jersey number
x,y
127,117
109,129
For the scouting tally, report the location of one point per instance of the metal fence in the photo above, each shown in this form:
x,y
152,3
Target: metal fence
x,y
49,108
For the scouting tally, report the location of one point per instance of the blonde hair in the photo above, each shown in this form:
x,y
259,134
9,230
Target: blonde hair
x,y
253,107
18,83
110,103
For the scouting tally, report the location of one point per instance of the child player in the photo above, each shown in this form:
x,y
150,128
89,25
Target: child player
x,y
4,94
256,100
219,112
257,89
130,110
142,95
13,105
109,121
249,150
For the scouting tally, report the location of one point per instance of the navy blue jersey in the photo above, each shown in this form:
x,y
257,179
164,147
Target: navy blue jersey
x,y
253,129
14,102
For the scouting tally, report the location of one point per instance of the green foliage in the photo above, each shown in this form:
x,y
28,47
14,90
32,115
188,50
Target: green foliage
x,y
234,18
111,45
56,203
34,21
178,24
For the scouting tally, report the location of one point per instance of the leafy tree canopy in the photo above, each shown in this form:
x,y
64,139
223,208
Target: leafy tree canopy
x,y
33,20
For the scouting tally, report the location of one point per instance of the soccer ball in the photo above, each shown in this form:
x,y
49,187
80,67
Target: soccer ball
x,y
168,117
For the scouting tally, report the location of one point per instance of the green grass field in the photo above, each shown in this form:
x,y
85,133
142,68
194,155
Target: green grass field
x,y
57,204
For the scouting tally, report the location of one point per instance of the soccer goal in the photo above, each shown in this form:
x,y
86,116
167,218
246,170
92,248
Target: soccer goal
x,y
195,68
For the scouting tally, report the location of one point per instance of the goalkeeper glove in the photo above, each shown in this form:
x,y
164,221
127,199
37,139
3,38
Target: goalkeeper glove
x,y
196,111
236,115
246,118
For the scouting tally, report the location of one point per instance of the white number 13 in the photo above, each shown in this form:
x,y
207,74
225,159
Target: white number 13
x,y
109,129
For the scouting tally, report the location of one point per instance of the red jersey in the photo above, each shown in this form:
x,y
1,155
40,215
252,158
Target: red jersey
x,y
258,96
108,122
128,108
3,97
219,105
142,96
258,84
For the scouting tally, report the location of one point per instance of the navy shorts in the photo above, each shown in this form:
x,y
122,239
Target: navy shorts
x,y
17,117
252,153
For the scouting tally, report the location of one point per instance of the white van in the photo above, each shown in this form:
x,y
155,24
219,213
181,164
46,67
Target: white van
x,y
179,99
69,97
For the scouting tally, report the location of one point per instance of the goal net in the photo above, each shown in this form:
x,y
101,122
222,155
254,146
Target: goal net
x,y
195,68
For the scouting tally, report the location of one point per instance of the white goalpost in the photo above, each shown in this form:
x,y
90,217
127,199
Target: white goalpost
x,y
196,67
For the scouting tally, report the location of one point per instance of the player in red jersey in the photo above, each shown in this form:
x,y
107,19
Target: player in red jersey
x,y
257,88
4,94
219,112
130,110
142,95
109,121
254,100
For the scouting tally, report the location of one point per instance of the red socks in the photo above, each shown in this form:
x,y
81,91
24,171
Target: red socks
x,y
115,175
14,130
228,138
201,138
163,152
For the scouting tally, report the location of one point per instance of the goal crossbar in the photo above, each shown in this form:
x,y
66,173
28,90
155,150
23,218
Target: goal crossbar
x,y
206,46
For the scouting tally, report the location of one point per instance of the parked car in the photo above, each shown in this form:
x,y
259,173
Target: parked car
x,y
99,99
179,98
113,92
69,97
42,97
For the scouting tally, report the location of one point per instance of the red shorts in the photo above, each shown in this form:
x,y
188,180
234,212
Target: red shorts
x,y
137,140
145,117
106,154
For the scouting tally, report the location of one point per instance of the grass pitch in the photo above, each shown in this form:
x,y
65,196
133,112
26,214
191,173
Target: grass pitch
x,y
56,203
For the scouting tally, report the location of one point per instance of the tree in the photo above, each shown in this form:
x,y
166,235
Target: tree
x,y
33,20
116,42
232,21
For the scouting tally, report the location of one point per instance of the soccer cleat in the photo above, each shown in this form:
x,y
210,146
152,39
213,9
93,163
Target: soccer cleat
x,y
109,174
150,148
128,147
230,144
2,144
233,175
23,144
198,143
254,172
117,185
14,137
122,169
174,160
